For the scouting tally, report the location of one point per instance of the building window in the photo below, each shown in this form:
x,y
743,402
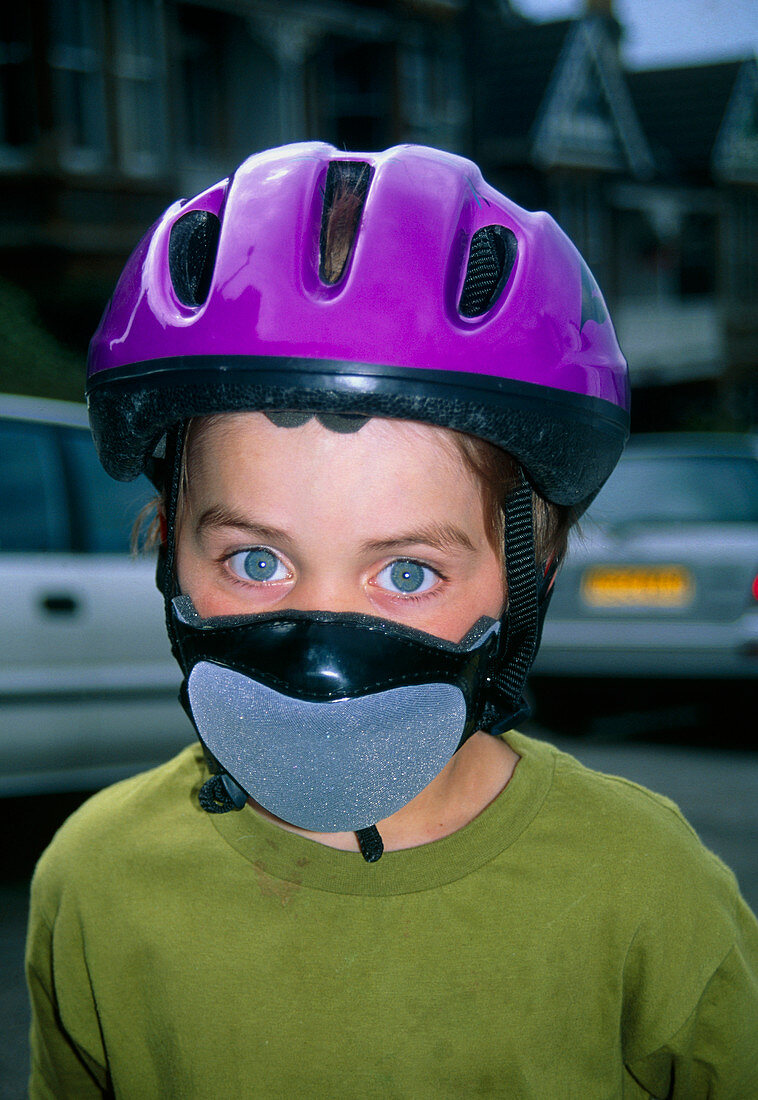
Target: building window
x,y
639,255
355,93
580,210
740,255
139,85
431,92
77,63
206,45
18,120
591,121
697,265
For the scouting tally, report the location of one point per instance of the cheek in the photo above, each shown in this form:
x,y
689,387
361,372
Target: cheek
x,y
494,595
489,594
483,594
194,578
183,561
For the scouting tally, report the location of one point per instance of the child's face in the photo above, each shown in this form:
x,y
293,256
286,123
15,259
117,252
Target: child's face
x,y
385,521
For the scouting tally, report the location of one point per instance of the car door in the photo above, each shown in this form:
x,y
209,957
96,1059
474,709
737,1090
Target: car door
x,y
34,533
122,635
87,684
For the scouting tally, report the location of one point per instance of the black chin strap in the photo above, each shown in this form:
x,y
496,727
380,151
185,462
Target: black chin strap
x,y
165,573
521,578
522,622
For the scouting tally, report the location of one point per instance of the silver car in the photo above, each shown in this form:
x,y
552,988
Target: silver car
x,y
88,687
662,579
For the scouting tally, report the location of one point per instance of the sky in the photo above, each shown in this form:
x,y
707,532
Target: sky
x,y
670,32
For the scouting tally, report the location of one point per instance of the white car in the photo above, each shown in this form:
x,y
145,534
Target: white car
x,y
662,580
88,686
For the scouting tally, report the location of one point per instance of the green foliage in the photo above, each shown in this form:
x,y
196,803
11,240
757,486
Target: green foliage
x,y
32,361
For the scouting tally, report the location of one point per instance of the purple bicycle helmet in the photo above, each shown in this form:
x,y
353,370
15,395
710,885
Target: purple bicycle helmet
x,y
453,306
395,284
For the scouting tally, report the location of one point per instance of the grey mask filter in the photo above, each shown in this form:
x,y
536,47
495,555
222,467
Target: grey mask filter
x,y
339,765
329,721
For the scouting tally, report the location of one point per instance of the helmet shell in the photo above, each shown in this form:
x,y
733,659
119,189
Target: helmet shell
x,y
539,372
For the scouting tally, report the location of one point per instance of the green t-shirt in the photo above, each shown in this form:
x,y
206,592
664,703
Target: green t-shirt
x,y
574,941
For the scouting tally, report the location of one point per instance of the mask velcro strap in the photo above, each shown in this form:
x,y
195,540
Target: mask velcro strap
x,y
166,569
370,843
520,643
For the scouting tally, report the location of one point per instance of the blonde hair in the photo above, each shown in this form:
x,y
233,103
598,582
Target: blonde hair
x,y
497,472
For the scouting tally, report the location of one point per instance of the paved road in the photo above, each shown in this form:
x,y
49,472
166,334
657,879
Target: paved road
x,y
717,791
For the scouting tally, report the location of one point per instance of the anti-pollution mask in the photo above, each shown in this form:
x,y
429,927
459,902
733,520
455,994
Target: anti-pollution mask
x,y
330,721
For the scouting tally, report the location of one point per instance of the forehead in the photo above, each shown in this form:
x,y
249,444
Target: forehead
x,y
254,437
412,466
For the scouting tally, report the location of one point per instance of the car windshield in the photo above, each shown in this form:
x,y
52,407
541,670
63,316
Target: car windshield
x,y
679,489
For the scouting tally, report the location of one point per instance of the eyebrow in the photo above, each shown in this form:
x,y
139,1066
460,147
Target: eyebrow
x,y
222,517
439,536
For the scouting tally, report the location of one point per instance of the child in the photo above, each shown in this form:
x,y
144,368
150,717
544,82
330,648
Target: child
x,y
355,379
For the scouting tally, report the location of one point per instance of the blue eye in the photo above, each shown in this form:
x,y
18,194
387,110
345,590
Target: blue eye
x,y
407,578
258,564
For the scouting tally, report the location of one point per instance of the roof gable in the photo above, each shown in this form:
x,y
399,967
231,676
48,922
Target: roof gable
x,y
735,153
587,118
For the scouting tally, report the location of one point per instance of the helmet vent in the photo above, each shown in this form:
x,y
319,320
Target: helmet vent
x,y
490,262
192,250
344,195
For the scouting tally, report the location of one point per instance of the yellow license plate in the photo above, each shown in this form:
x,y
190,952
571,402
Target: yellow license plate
x,y
637,586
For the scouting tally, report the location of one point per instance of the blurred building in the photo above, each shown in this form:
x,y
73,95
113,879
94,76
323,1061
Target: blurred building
x,y
109,109
693,231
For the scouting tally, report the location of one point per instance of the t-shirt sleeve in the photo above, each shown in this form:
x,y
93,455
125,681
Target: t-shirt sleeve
x,y
61,1068
714,1053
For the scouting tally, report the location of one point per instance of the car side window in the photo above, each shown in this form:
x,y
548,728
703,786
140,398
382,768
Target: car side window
x,y
690,489
104,510
33,506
